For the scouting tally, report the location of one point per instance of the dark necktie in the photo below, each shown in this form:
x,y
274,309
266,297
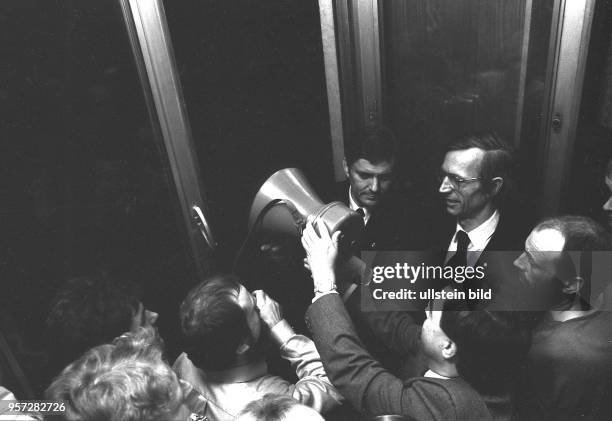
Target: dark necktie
x,y
460,257
362,242
361,213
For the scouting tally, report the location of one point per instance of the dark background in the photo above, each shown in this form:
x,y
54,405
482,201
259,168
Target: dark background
x,y
85,187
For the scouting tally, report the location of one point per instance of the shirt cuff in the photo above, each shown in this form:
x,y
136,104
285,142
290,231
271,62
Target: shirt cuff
x,y
282,332
347,294
321,294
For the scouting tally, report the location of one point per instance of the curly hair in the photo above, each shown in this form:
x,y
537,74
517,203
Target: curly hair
x,y
127,380
272,407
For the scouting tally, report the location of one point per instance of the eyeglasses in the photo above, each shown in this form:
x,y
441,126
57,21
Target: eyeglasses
x,y
455,181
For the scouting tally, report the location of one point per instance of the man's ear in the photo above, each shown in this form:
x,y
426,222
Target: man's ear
x,y
449,349
346,167
496,185
572,285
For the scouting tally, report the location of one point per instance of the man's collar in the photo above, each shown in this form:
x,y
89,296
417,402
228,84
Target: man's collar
x,y
433,374
480,236
572,309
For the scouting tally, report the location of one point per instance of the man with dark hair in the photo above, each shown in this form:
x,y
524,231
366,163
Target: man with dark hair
x,y
127,380
278,408
470,355
570,361
369,165
475,183
90,311
475,178
225,329
499,332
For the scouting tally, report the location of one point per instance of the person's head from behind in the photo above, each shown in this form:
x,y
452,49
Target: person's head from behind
x,y
547,266
220,323
277,408
607,206
483,347
475,176
90,311
127,380
369,165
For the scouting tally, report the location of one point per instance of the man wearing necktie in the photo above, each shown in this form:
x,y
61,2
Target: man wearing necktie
x,y
474,179
371,158
369,165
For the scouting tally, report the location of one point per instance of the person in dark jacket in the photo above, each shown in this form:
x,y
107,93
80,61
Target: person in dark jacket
x,y
469,354
569,376
372,189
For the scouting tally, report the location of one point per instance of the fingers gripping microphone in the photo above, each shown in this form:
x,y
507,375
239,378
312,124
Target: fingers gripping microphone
x,y
286,201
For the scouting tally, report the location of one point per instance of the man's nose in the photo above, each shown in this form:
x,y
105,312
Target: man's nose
x,y
375,186
519,261
445,186
608,205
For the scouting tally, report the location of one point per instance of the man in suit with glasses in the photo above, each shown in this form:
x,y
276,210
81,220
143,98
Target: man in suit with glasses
x,y
475,182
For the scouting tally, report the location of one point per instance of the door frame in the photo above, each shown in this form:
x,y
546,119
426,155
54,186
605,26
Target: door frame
x,y
569,42
360,41
152,50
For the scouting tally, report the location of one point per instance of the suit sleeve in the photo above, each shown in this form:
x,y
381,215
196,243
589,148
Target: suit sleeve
x,y
362,380
397,330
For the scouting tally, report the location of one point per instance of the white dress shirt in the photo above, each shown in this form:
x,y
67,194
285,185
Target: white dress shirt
x,y
435,375
479,238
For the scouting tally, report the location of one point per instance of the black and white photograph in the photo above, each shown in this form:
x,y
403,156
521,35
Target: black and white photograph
x,y
267,210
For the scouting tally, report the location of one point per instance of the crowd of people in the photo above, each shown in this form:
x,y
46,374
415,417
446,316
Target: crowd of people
x,y
539,349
